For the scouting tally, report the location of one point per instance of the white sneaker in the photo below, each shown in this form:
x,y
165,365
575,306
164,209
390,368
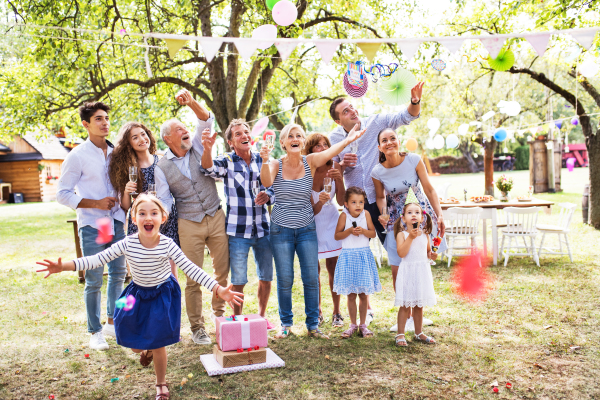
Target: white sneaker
x,y
201,337
410,325
97,342
370,317
394,328
109,330
427,322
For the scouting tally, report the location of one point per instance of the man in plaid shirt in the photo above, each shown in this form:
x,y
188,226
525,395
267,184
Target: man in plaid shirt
x,y
247,215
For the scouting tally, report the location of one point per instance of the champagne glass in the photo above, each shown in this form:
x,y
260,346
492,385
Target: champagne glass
x,y
270,141
353,148
133,176
385,213
327,189
152,189
255,186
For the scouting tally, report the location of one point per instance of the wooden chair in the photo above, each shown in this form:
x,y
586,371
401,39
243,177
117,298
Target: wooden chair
x,y
561,229
462,223
521,223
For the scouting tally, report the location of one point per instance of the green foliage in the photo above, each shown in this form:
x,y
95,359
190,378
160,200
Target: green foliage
x,y
522,157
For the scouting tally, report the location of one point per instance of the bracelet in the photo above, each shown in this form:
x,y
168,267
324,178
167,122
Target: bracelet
x,y
414,104
217,291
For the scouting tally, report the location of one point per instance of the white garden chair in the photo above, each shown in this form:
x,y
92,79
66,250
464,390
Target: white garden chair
x,y
377,250
462,223
561,229
442,190
521,223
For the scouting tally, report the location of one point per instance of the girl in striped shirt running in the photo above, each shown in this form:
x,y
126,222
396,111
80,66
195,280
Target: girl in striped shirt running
x,y
154,321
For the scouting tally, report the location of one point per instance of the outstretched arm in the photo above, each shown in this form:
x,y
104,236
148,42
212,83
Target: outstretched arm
x,y
184,97
316,160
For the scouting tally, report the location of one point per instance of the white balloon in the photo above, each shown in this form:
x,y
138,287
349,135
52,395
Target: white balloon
x,y
588,68
429,144
452,141
513,109
268,33
286,103
463,129
475,123
488,115
438,142
433,124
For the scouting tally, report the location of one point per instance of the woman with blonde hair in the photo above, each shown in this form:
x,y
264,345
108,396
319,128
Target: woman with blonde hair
x,y
136,147
293,229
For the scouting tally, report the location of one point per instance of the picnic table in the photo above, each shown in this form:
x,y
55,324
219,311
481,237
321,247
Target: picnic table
x,y
490,211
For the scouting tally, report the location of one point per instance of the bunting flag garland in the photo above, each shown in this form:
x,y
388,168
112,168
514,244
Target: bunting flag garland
x,y
493,45
285,49
369,49
174,45
245,49
409,49
539,42
585,37
452,45
210,47
327,49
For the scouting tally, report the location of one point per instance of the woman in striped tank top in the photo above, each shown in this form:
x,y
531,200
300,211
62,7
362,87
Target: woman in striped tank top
x,y
293,228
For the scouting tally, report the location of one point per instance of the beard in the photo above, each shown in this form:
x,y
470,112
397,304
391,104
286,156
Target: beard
x,y
185,146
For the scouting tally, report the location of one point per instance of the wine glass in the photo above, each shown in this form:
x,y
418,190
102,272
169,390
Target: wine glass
x,y
255,186
133,176
385,213
353,148
327,189
152,189
270,143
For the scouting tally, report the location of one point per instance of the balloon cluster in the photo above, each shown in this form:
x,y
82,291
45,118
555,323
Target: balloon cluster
x,y
510,108
284,11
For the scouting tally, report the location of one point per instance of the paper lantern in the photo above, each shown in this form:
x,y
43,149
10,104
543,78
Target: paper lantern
x,y
260,126
500,135
503,62
438,64
438,142
285,12
433,124
355,91
271,3
588,68
396,89
411,144
265,32
463,129
558,123
575,121
452,141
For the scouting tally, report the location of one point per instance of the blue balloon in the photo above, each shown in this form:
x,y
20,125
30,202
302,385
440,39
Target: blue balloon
x,y
500,135
558,123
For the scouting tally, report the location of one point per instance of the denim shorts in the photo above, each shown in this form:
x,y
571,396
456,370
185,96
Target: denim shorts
x,y
238,258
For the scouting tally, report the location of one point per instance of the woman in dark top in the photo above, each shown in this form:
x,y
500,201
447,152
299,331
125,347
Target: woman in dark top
x,y
135,146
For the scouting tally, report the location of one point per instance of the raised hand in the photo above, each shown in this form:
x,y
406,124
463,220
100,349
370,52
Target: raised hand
x,y
230,296
265,152
349,160
51,267
130,187
323,197
184,97
334,174
354,134
413,232
417,91
208,140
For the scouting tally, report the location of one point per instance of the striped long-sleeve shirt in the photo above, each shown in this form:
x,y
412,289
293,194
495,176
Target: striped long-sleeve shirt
x,y
149,267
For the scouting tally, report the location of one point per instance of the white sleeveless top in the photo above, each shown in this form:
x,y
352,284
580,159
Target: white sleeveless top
x,y
354,242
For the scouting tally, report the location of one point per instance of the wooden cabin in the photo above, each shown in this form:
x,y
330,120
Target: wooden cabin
x,y
32,166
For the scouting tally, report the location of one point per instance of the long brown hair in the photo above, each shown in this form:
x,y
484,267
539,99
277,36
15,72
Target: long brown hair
x,y
123,157
398,227
312,140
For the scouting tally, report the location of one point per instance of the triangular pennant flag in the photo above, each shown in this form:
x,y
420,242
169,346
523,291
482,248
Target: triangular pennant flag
x,y
210,47
327,49
246,48
493,45
533,130
539,42
285,49
369,49
174,45
585,37
452,45
411,198
409,49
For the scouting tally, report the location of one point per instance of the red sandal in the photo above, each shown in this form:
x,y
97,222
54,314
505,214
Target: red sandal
x,y
145,360
162,396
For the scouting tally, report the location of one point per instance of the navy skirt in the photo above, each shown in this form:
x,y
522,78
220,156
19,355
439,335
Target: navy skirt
x,y
154,320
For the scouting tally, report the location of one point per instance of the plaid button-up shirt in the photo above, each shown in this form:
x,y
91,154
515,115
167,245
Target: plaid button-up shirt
x,y
244,218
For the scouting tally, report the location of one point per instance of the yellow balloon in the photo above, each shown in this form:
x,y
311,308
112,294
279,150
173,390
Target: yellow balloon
x,y
411,144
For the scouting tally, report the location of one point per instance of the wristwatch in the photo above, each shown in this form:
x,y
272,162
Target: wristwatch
x,y
413,103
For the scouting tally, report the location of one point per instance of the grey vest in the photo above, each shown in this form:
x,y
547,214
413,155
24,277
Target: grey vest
x,y
193,198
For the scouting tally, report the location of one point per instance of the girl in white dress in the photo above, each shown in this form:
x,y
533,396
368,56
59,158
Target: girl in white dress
x,y
326,218
414,283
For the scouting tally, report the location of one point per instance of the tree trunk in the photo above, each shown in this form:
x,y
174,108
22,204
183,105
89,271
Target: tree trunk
x,y
465,150
488,166
592,142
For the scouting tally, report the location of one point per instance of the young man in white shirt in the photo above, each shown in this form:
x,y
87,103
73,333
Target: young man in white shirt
x,y
85,187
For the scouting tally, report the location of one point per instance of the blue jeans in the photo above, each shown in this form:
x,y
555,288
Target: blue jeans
x,y
285,242
238,258
93,278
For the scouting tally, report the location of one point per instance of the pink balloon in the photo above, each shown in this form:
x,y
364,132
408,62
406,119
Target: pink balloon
x,y
267,32
285,13
260,125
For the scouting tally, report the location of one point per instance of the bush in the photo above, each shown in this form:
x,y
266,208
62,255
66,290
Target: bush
x,y
522,157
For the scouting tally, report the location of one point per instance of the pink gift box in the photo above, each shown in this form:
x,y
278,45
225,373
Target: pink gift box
x,y
245,332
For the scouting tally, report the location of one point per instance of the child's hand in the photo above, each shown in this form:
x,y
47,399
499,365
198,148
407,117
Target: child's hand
x,y
433,256
357,231
413,232
230,296
51,267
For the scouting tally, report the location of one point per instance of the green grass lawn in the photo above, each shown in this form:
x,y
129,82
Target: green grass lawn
x,y
523,332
